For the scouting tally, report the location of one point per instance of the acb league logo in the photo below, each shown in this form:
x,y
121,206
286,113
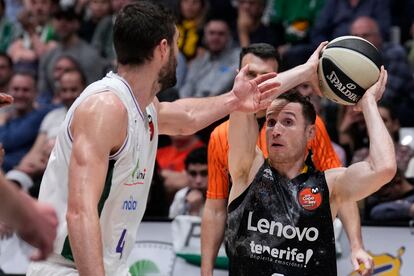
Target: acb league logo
x,y
310,198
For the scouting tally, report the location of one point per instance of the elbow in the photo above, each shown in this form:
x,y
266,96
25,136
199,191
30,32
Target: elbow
x,y
388,170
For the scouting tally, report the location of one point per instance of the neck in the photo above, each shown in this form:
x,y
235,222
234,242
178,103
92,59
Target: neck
x,y
288,169
143,81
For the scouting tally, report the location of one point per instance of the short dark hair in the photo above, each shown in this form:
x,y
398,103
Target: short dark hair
x,y
262,50
196,156
7,58
138,28
308,110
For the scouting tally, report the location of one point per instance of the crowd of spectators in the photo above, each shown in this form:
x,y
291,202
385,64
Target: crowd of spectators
x,y
50,50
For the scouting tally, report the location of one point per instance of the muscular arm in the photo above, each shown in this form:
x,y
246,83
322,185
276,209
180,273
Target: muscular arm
x,y
212,233
186,116
364,178
100,116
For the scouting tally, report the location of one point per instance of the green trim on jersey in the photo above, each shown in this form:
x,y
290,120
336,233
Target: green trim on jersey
x,y
67,250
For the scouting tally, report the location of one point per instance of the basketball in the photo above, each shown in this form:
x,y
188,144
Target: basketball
x,y
348,66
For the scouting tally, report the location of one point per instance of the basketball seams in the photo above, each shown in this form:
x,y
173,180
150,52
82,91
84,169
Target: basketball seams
x,y
359,45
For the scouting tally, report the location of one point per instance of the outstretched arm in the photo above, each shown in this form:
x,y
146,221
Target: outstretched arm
x,y
364,178
186,116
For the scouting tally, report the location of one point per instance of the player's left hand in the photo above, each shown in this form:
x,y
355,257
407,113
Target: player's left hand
x,y
362,262
256,94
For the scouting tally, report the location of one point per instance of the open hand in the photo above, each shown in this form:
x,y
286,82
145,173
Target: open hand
x,y
256,94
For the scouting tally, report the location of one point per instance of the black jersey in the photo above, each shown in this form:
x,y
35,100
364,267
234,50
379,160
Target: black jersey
x,y
281,227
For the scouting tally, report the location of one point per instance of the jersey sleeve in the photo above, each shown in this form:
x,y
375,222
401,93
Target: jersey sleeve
x,y
324,155
218,175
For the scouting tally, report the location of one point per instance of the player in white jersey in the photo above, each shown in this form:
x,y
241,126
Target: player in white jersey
x,y
99,173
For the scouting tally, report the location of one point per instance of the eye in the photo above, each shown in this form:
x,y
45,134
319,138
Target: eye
x,y
287,122
271,122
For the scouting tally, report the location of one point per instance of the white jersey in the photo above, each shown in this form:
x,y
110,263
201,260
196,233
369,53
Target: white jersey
x,y
127,184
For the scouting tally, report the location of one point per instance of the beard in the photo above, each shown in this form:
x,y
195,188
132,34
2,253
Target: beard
x,y
167,76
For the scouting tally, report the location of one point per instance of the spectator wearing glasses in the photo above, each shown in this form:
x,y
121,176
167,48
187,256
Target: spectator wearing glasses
x,y
190,200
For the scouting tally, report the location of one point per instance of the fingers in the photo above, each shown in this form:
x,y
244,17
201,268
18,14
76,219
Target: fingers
x,y
263,104
320,48
243,72
270,94
5,99
383,83
368,266
265,86
258,80
355,264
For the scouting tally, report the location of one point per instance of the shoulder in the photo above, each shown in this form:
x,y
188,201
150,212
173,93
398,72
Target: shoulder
x,y
104,105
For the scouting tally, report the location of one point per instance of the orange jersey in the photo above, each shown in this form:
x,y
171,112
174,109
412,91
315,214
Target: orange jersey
x,y
171,159
324,156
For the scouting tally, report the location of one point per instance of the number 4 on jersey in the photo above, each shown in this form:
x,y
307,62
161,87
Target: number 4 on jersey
x,y
121,243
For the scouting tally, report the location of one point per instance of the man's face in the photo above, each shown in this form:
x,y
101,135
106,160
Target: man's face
x,y
40,10
287,133
217,36
368,30
70,88
65,28
198,176
254,8
5,72
167,76
22,89
61,66
258,67
190,9
99,8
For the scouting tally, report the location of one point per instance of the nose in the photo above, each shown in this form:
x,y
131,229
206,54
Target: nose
x,y
277,130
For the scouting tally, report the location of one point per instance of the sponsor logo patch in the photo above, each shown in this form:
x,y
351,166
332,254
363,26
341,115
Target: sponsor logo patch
x,y
310,198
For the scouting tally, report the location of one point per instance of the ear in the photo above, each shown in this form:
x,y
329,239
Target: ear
x,y
310,132
164,48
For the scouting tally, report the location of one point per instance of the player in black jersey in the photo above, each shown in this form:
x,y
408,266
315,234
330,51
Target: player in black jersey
x,y
281,209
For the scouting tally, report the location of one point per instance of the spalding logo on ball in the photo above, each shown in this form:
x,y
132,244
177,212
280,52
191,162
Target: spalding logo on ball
x,y
348,66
